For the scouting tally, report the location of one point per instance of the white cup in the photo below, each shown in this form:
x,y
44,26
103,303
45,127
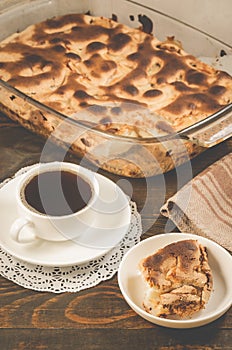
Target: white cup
x,y
54,222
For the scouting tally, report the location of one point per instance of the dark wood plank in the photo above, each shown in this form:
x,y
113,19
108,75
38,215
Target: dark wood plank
x,y
94,339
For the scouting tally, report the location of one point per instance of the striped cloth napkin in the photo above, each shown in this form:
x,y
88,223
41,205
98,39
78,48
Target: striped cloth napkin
x,y
204,205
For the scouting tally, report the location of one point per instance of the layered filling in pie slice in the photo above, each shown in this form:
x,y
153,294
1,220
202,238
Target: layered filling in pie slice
x,y
178,278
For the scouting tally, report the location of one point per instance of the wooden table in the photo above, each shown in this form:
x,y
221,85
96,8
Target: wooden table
x,y
97,318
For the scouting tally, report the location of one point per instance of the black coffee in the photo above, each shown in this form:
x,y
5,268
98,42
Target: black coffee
x,y
57,193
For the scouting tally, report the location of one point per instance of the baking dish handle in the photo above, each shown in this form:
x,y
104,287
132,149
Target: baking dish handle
x,y
211,131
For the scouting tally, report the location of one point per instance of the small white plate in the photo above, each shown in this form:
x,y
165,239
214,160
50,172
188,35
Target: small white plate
x,y
112,223
133,287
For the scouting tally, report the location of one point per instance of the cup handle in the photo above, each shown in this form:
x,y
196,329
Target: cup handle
x,y
17,227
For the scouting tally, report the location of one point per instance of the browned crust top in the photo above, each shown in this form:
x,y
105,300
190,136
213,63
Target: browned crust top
x,y
77,61
185,258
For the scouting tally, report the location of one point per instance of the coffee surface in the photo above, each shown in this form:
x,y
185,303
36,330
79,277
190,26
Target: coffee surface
x,y
57,193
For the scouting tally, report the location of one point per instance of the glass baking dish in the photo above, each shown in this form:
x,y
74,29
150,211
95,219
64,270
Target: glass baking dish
x,y
122,155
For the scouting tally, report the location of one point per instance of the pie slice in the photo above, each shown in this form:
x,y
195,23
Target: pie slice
x,y
178,278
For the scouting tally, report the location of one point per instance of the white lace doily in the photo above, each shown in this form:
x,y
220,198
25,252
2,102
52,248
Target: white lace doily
x,y
69,278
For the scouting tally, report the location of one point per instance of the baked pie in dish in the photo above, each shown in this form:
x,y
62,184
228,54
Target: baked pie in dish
x,y
114,80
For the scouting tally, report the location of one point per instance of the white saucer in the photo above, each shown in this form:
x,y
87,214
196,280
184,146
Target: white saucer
x,y
112,223
133,286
